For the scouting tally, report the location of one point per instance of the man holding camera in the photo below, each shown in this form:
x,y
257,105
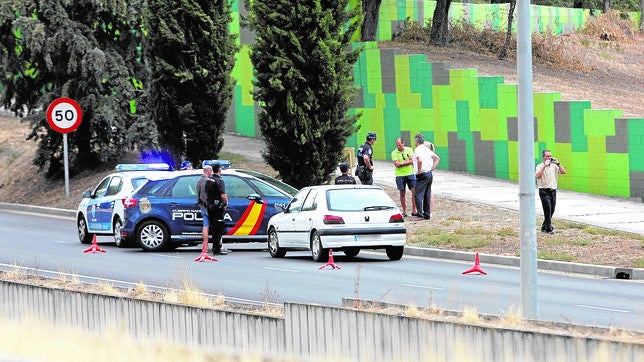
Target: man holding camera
x,y
547,174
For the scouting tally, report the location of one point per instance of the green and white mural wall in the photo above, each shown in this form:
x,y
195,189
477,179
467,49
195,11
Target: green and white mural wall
x,y
472,119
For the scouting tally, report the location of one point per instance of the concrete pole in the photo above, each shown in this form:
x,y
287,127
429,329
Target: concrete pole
x,y
529,297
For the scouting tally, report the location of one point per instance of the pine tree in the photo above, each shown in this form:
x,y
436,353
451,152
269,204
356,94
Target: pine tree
x,y
87,51
191,54
303,76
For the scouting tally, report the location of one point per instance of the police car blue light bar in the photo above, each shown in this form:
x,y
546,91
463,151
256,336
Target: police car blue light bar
x,y
143,167
224,164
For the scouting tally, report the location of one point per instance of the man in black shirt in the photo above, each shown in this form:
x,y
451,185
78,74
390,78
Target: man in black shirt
x,y
365,156
345,178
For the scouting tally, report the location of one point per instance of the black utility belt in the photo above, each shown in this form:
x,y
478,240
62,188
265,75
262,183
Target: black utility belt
x,y
549,190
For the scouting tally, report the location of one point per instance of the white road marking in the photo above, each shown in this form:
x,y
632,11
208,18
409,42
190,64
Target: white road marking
x,y
420,286
283,269
603,308
168,256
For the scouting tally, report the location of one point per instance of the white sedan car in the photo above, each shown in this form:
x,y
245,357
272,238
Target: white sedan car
x,y
340,218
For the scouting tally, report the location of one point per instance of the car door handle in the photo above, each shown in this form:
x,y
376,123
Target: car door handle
x,y
173,204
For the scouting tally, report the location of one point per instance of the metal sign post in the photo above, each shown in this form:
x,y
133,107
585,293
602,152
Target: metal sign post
x,y
64,115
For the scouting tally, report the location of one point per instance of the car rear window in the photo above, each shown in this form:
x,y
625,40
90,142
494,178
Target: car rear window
x,y
358,199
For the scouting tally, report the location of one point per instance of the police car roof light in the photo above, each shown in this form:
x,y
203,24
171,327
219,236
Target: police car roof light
x,y
223,163
143,167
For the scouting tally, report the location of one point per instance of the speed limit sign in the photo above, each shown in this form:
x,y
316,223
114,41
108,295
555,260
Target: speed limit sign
x,y
64,115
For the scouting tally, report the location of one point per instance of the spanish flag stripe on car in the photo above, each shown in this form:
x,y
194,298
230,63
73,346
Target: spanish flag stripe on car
x,y
250,221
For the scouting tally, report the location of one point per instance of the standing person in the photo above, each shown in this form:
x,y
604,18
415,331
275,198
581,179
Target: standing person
x,y
431,201
218,210
403,158
547,173
209,200
364,171
202,202
424,163
345,178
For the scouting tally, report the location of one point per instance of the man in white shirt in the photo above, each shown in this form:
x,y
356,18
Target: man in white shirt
x,y
547,173
425,161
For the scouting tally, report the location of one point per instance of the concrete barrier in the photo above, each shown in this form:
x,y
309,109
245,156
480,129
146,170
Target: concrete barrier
x,y
313,332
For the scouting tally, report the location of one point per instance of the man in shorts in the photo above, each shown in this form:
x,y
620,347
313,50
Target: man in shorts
x,y
403,158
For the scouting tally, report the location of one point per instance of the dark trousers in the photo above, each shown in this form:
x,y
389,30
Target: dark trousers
x,y
548,202
217,226
366,176
423,195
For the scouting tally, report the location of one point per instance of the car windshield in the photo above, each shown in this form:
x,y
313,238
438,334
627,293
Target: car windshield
x,y
287,189
358,200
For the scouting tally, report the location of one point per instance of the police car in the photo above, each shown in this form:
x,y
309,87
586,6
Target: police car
x,y
100,212
163,214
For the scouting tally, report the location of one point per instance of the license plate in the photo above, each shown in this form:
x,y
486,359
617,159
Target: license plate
x,y
370,237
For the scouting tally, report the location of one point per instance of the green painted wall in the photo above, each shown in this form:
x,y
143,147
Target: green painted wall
x,y
472,119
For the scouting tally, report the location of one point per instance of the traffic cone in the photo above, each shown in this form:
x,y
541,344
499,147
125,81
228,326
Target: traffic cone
x,y
94,248
476,267
204,253
330,262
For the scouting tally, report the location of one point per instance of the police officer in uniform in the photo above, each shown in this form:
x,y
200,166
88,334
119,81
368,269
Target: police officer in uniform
x,y
364,171
213,201
345,178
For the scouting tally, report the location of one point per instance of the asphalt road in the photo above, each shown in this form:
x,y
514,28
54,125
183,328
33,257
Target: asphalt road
x,y
48,244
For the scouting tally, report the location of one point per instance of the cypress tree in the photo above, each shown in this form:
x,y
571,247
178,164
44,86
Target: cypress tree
x,y
303,76
191,53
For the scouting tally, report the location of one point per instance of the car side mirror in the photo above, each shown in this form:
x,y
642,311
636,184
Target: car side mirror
x,y
256,198
87,194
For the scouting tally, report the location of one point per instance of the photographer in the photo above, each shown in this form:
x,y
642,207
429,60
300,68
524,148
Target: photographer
x,y
547,174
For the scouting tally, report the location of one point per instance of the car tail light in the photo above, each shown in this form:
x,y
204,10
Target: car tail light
x,y
129,202
396,218
331,219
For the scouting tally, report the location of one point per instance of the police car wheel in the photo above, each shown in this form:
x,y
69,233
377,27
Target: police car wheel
x,y
153,236
317,251
118,239
83,235
274,245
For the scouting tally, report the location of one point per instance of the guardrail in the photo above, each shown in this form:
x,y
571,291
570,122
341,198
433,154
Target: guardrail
x,y
314,331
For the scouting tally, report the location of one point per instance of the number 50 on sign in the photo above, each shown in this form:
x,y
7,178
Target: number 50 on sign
x,y
64,115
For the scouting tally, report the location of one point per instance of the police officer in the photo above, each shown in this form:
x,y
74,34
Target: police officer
x,y
345,178
364,171
218,194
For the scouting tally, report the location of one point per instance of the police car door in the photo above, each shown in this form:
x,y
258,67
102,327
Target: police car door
x,y
101,206
185,215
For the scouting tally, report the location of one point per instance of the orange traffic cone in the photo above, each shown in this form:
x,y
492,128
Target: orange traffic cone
x,y
476,267
94,248
204,253
330,262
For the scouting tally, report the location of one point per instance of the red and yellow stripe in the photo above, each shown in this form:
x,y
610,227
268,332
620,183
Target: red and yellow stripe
x,y
250,221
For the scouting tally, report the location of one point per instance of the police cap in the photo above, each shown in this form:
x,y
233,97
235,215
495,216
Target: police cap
x,y
371,136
